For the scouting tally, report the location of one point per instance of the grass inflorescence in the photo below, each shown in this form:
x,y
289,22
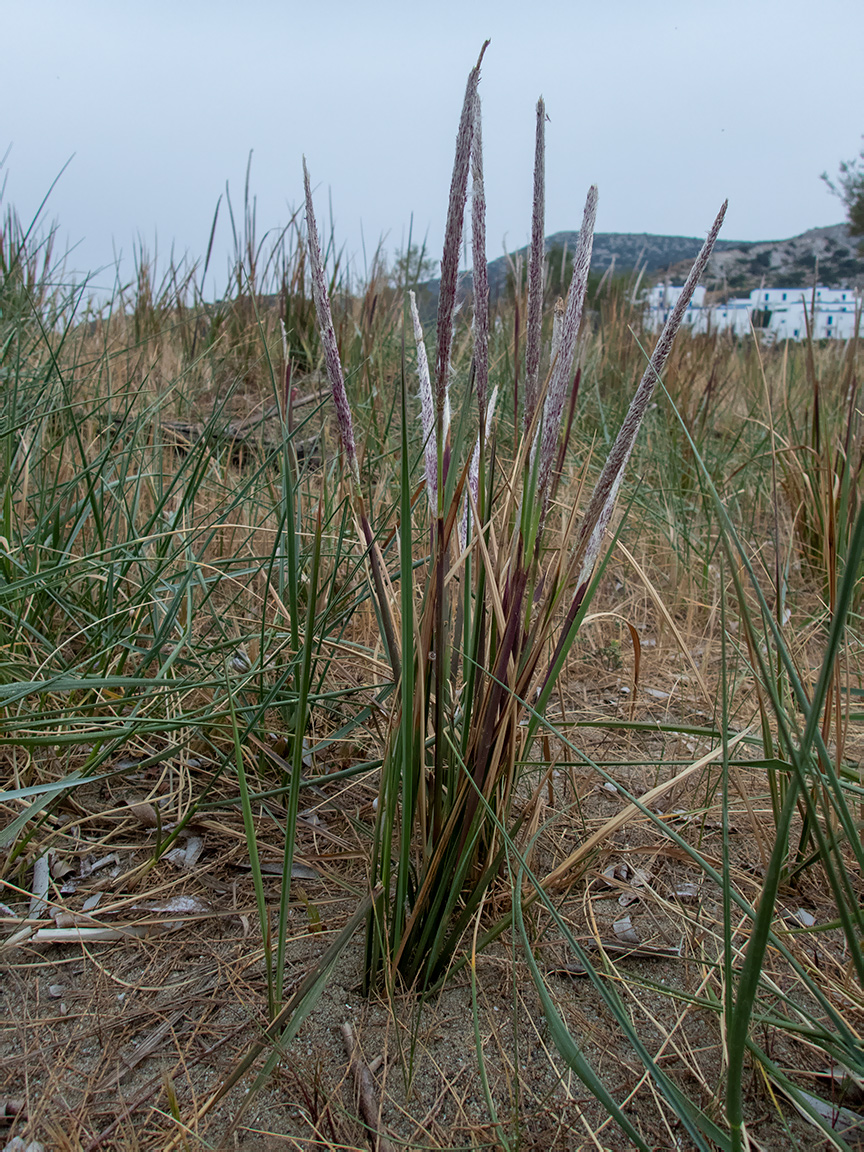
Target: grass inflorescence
x,y
506,686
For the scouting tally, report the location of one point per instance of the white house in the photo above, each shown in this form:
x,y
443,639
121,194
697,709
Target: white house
x,y
662,298
776,313
733,316
784,312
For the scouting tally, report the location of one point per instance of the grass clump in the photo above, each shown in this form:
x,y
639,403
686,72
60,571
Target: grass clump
x,y
493,623
223,598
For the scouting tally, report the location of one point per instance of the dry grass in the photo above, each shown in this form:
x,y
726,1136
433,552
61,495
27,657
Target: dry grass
x,y
101,1037
120,1042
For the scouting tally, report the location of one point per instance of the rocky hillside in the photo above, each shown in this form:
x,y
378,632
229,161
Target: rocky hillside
x,y
827,255
625,250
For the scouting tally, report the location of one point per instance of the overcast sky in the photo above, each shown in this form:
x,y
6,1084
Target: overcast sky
x,y
669,106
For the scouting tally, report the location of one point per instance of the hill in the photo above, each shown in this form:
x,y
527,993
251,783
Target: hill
x,y
625,250
736,267
827,255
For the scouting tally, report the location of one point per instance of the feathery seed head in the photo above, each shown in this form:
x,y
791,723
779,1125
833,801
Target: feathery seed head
x,y
481,279
328,336
453,239
427,408
599,511
568,334
536,260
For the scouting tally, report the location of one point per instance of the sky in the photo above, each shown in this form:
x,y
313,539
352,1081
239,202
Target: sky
x,y
669,106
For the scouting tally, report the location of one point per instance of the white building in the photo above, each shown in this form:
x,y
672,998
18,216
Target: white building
x,y
662,298
776,313
733,316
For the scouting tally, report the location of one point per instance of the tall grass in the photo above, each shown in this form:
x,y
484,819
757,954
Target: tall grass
x,y
491,624
178,580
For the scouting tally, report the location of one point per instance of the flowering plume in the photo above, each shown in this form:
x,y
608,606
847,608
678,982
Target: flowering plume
x,y
453,241
481,279
427,409
328,336
566,336
599,511
535,270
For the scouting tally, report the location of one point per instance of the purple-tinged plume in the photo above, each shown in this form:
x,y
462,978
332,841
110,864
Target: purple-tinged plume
x,y
602,504
567,336
536,260
328,336
427,409
480,277
453,242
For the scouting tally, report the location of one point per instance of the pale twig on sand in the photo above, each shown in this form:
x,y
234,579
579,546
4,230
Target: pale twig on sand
x,y
365,1087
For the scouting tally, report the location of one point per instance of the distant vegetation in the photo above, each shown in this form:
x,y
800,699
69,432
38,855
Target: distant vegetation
x,y
589,766
850,189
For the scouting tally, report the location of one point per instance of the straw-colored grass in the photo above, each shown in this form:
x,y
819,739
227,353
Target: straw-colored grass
x,y
201,698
